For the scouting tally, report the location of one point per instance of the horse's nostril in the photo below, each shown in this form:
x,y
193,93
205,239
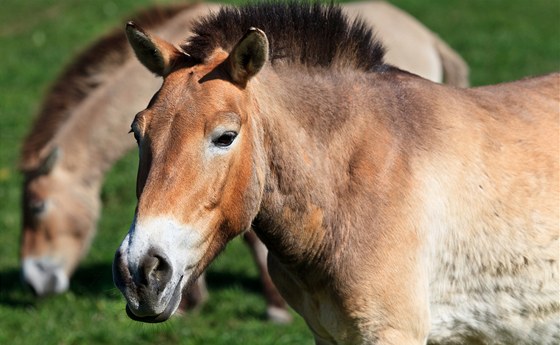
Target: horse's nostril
x,y
155,271
163,269
150,263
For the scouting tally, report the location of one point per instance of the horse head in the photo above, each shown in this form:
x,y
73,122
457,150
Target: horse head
x,y
200,176
58,223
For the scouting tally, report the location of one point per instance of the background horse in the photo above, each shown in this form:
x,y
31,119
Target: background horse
x,y
394,209
65,157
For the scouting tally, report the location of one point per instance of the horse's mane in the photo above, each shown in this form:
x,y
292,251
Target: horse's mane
x,y
311,34
86,72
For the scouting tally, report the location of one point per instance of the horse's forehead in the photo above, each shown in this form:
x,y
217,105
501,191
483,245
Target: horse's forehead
x,y
181,85
39,185
204,93
194,76
199,69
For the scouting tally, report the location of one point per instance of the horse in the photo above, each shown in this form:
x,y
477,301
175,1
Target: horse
x,y
395,210
64,161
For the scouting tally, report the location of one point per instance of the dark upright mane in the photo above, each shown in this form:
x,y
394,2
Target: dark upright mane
x,y
306,33
87,71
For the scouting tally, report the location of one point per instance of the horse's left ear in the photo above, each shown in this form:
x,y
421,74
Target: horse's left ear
x,y
248,56
153,52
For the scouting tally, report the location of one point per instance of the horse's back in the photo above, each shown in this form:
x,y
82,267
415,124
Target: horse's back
x,y
541,94
409,44
523,119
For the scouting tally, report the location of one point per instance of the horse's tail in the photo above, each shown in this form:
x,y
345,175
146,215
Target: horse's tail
x,y
455,69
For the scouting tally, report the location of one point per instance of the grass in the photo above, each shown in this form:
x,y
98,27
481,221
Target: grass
x,y
501,41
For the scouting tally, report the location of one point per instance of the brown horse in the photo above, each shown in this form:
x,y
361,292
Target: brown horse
x,y
78,136
395,210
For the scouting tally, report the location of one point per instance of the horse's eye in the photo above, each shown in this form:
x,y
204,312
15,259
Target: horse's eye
x,y
225,139
36,206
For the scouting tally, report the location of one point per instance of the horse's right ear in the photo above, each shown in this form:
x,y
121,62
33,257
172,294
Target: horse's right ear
x,y
153,52
248,56
49,161
43,163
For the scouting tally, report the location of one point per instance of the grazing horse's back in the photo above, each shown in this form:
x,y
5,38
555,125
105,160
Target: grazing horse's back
x,y
490,202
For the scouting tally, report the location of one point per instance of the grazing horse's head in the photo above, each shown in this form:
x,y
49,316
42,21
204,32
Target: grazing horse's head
x,y
58,223
200,177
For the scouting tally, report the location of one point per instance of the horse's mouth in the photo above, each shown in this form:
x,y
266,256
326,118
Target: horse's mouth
x,y
163,316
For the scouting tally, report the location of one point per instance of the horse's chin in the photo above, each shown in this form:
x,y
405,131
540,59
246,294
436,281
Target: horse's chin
x,y
172,306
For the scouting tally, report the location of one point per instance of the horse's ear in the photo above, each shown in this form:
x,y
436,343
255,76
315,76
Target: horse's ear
x,y
42,163
49,161
153,52
248,56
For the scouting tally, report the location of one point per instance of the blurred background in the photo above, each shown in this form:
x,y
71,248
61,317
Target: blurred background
x,y
500,40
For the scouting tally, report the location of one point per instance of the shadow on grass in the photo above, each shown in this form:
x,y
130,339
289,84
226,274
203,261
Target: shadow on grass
x,y
95,281
220,280
92,281
12,292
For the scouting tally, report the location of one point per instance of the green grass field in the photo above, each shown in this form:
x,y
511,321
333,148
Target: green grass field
x,y
501,41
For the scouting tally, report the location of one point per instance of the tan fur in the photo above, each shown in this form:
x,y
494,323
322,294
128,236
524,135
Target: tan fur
x,y
89,108
480,226
410,45
89,70
417,211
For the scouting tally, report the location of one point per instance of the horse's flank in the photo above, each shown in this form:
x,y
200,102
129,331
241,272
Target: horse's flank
x,y
405,41
487,196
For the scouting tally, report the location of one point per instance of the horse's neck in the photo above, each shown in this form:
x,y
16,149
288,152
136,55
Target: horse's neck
x,y
324,140
96,136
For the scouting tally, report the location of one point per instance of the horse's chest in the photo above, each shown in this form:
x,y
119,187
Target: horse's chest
x,y
328,322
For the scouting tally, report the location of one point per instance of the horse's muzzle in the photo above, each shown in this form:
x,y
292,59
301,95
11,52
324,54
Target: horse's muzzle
x,y
44,276
166,314
147,287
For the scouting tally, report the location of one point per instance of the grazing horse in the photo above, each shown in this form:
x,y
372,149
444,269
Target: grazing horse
x,y
84,114
66,155
395,210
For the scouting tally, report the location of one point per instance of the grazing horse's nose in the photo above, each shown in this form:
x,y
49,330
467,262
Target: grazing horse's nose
x,y
44,276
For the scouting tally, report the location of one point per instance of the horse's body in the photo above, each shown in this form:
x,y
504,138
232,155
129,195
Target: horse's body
x,y
457,208
395,210
79,135
410,45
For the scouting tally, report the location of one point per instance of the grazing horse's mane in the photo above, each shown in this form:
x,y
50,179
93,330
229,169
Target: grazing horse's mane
x,y
84,74
306,33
